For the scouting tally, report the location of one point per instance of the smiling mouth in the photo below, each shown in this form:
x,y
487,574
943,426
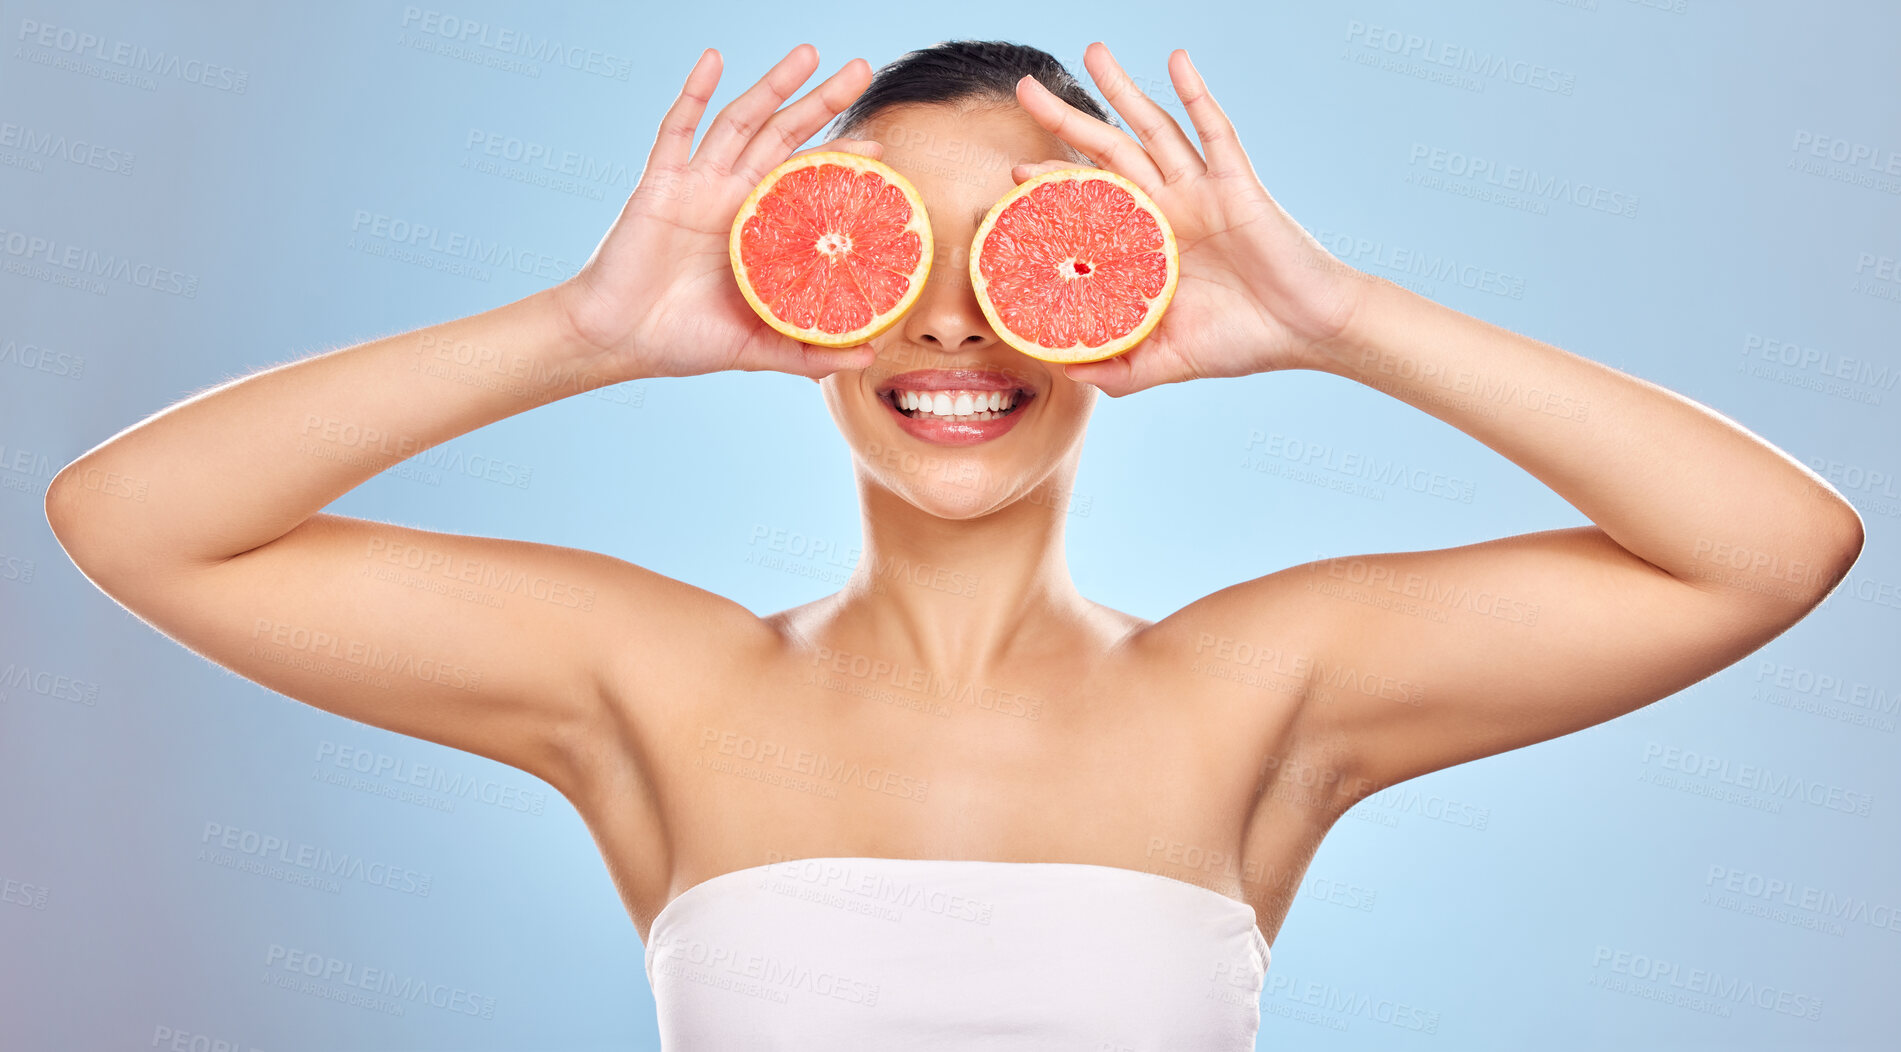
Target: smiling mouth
x,y
957,406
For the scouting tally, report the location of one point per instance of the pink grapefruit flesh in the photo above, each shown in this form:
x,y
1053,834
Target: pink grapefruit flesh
x,y
831,248
1075,265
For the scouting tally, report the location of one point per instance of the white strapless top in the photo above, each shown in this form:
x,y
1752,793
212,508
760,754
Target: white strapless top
x,y
890,953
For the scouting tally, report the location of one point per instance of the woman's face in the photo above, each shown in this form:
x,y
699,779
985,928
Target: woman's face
x,y
961,465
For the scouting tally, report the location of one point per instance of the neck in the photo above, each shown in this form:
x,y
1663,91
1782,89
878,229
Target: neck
x,y
960,593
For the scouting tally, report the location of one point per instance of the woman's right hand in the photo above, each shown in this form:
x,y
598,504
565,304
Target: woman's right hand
x,y
658,296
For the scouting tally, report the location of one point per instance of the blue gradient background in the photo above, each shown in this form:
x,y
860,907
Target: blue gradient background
x,y
113,929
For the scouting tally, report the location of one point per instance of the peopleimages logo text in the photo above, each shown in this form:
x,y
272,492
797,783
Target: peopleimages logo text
x,y
469,32
1417,48
1528,181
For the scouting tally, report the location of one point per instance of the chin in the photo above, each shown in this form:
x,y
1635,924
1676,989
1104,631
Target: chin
x,y
951,501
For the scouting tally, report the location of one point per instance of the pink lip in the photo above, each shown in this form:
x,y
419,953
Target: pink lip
x,y
949,433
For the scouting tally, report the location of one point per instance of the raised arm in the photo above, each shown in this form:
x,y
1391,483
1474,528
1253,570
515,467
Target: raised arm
x,y
206,520
1707,541
487,645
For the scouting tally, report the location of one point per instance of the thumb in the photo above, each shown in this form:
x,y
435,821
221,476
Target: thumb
x,y
1023,173
779,353
871,148
1112,376
815,362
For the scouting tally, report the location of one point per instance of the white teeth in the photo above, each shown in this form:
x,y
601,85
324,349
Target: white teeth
x,y
958,405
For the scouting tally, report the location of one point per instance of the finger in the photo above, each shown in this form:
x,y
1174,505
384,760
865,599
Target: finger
x,y
1114,377
788,129
1023,173
816,363
1088,135
741,118
828,360
871,148
773,351
1218,139
1158,133
674,144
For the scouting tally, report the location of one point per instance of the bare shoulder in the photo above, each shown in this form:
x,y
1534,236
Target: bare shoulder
x,y
1251,639
1249,660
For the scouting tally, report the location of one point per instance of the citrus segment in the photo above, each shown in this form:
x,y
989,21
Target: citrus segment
x,y
1074,265
831,248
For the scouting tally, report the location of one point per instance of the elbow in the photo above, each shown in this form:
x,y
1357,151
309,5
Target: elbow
x,y
1781,581
1844,541
73,515
1831,535
105,524
1832,541
62,510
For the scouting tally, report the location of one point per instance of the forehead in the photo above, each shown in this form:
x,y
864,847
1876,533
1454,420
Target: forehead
x,y
959,154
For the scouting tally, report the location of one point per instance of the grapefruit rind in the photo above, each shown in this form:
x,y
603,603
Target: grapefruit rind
x,y
918,223
1079,352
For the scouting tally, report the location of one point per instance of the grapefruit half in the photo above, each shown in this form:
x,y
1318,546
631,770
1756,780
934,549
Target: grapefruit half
x,y
831,248
1075,265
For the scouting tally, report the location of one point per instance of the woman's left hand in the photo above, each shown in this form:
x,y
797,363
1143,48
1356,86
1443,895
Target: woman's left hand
x,y
1256,292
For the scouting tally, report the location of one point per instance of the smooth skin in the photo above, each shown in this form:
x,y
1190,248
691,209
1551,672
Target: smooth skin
x,y
959,699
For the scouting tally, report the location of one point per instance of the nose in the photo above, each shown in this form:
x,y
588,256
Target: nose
x,y
946,317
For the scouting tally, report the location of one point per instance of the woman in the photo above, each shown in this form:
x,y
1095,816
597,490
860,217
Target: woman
x,y
957,802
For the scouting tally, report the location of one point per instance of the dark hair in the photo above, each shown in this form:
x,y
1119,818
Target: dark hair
x,y
978,71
